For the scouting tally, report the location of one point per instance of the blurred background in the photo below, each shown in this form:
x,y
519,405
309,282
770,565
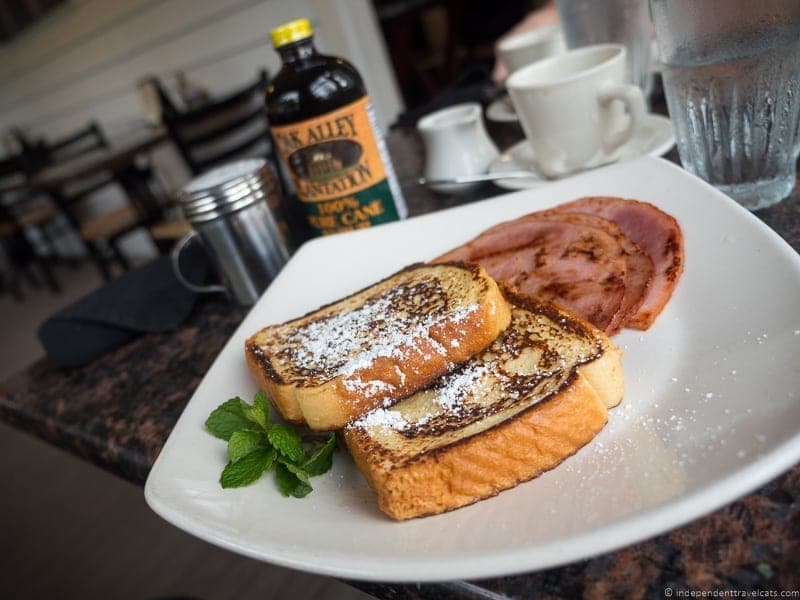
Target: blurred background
x,y
65,62
68,64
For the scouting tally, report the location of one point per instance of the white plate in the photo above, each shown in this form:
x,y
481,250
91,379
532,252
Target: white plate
x,y
654,138
711,409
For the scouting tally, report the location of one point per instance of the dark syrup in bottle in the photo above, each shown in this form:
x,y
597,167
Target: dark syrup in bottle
x,y
325,133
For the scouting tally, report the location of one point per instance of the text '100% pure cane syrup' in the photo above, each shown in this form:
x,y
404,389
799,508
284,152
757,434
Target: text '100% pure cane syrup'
x,y
325,132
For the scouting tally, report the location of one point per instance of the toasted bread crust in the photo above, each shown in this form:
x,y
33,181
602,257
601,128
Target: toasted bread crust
x,y
326,399
481,466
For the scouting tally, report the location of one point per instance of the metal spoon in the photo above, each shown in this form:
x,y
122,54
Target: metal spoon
x,y
464,179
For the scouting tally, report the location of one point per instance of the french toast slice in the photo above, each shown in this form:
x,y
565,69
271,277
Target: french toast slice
x,y
378,345
530,400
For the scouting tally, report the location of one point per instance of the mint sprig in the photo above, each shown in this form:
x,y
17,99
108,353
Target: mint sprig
x,y
245,442
256,443
247,469
292,480
228,418
321,457
287,442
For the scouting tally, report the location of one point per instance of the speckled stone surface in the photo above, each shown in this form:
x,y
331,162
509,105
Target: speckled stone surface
x,y
118,412
752,544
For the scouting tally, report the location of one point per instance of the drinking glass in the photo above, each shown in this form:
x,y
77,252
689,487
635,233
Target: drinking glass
x,y
732,81
626,22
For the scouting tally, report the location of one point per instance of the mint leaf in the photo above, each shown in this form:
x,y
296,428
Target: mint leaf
x,y
286,441
247,469
258,412
243,442
322,459
255,443
261,402
292,480
228,418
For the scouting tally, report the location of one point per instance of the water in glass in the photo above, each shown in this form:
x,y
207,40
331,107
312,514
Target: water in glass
x,y
734,95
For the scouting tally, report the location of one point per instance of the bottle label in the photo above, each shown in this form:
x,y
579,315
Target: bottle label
x,y
337,166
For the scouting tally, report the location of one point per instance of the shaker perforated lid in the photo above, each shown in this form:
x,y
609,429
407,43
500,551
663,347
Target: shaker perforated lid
x,y
225,189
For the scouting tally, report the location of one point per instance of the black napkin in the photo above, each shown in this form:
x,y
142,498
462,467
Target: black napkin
x,y
149,299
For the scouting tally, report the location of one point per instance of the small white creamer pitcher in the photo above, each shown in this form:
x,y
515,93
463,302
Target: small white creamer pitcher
x,y
456,144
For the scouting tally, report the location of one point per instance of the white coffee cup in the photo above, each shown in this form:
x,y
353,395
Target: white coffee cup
x,y
524,48
456,144
573,107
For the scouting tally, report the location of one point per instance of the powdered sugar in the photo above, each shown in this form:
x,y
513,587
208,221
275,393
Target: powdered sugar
x,y
348,341
512,368
400,374
450,393
383,417
450,397
370,387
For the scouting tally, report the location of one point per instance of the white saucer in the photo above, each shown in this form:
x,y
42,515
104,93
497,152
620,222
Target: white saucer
x,y
502,111
655,138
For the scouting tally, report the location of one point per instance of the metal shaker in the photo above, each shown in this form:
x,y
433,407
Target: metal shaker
x,y
229,210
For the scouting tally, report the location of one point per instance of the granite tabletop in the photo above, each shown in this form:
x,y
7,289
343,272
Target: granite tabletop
x,y
118,411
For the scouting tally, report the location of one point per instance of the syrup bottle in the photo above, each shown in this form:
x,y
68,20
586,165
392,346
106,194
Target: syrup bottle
x,y
325,133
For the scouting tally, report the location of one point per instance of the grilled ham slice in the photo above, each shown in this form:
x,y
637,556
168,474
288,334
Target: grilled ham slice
x,y
638,265
612,261
573,263
655,232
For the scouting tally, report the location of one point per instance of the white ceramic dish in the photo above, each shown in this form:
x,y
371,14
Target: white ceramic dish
x,y
711,409
655,138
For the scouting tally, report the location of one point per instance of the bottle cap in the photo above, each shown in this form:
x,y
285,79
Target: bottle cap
x,y
293,31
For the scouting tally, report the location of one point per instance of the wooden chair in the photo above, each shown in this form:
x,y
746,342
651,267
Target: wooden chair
x,y
77,143
29,213
99,232
230,127
20,260
233,126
